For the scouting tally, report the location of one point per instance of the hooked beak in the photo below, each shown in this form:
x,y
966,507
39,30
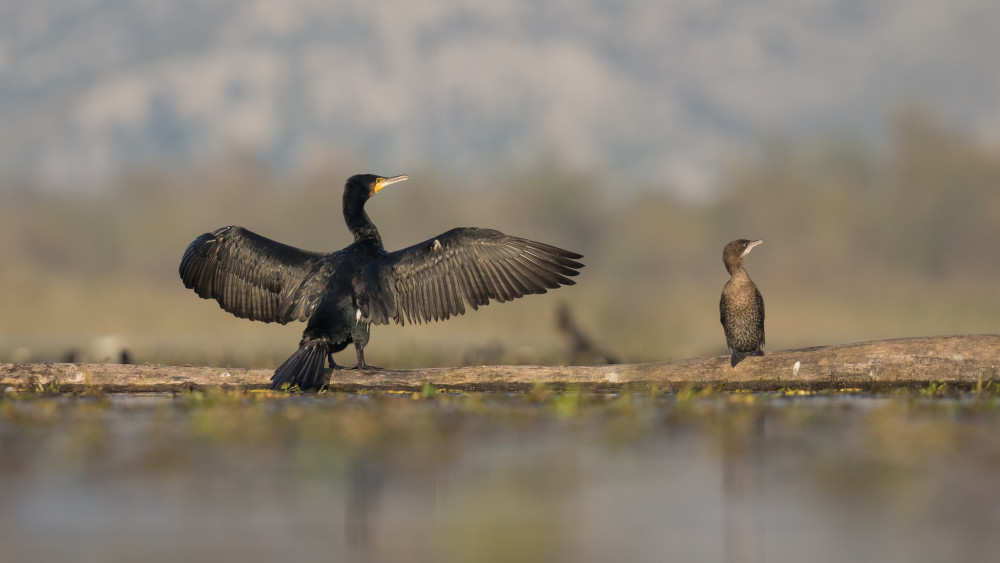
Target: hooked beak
x,y
383,182
750,246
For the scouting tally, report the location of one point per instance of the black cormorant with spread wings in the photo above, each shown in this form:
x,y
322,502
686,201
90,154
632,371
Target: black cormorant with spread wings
x,y
342,293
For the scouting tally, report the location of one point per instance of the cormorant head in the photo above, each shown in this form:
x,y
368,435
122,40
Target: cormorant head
x,y
360,187
732,255
357,190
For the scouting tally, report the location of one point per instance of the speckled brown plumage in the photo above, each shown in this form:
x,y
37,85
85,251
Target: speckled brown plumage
x,y
741,308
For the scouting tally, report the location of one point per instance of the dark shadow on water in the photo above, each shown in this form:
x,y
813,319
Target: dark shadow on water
x,y
743,461
367,486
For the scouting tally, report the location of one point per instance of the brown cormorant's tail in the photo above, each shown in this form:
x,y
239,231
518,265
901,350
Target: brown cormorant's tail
x,y
304,368
737,357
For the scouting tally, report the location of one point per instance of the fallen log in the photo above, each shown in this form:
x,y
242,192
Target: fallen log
x,y
965,360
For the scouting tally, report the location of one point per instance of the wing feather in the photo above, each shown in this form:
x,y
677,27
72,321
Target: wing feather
x,y
505,289
438,278
497,284
455,295
474,286
251,276
505,268
433,293
529,274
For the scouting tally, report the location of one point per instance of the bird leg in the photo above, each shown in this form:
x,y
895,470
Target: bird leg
x,y
361,358
333,364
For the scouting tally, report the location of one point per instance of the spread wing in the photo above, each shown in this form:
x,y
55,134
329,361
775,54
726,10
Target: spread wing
x,y
438,278
254,277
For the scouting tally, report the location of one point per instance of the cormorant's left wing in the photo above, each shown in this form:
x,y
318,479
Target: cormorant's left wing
x,y
437,278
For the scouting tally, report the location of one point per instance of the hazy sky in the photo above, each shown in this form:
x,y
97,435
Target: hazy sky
x,y
653,91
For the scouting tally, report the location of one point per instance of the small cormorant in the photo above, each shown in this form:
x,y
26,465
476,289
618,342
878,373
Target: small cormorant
x,y
741,308
342,293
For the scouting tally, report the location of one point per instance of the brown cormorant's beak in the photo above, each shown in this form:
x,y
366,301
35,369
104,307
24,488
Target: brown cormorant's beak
x,y
750,246
383,182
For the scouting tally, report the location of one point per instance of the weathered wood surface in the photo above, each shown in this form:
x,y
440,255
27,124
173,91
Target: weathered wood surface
x,y
883,364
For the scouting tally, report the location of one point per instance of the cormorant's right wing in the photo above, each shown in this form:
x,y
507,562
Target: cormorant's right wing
x,y
254,277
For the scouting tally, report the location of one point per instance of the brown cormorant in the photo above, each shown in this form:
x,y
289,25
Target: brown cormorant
x,y
741,308
342,293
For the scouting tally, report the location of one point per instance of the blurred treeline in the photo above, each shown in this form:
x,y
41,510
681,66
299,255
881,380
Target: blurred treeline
x,y
860,243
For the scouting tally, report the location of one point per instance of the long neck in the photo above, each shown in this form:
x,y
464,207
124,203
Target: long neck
x,y
359,224
735,267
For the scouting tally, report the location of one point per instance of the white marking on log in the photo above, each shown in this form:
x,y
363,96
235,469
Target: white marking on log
x,y
795,369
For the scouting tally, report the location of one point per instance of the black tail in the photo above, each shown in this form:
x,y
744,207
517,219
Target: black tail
x,y
737,357
304,368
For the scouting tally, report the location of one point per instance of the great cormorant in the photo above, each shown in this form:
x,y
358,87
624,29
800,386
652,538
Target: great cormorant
x,y
342,293
741,308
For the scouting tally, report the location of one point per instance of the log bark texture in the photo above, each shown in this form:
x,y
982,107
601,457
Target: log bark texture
x,y
885,364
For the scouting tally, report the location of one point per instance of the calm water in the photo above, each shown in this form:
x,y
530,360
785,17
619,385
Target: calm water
x,y
494,477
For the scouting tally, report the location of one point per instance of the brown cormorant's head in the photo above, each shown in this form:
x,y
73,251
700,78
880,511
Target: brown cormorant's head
x,y
732,255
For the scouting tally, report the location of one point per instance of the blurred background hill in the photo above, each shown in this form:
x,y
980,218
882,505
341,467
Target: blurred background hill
x,y
860,140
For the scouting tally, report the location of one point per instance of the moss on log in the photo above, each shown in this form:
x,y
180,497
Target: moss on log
x,y
884,364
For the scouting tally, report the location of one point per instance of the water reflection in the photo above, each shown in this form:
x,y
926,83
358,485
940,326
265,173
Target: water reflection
x,y
743,468
368,478
533,477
